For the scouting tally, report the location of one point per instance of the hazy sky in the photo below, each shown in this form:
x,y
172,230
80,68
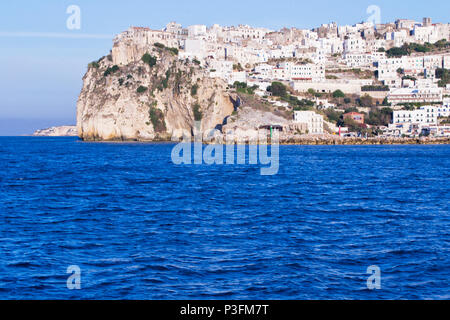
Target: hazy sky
x,y
42,62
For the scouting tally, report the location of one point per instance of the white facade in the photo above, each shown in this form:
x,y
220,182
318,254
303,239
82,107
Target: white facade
x,y
415,95
313,120
425,115
306,72
354,44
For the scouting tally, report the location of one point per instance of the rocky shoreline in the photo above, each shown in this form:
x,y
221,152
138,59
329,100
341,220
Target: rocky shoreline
x,y
315,141
369,141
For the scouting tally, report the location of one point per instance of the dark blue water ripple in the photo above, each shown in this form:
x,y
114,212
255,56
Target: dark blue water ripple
x,y
140,227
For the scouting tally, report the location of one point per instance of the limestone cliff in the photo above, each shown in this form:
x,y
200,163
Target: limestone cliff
x,y
155,98
63,131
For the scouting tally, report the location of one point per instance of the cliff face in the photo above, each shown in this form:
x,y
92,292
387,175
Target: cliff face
x,y
146,101
63,131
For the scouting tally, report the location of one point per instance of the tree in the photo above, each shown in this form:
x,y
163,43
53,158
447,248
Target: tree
x,y
278,89
141,89
338,94
380,117
366,101
397,52
444,75
149,59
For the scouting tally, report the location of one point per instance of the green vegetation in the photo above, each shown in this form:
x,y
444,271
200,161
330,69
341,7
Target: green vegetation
x,y
407,49
157,119
238,67
365,101
409,78
241,87
375,88
338,94
198,115
149,59
141,89
300,105
165,82
196,62
194,90
94,64
313,92
379,117
173,51
415,105
278,89
121,81
397,52
333,115
444,75
111,70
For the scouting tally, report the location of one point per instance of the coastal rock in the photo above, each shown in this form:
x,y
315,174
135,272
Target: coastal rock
x,y
149,101
63,131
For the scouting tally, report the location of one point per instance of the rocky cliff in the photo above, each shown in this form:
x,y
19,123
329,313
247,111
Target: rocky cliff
x,y
63,131
153,97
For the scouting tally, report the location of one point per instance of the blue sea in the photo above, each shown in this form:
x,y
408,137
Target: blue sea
x,y
140,227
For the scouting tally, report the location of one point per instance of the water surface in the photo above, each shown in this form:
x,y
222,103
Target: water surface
x,y
140,227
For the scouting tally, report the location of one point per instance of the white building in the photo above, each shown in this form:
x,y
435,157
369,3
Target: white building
x,y
415,95
426,115
304,72
221,69
354,44
313,120
359,59
196,31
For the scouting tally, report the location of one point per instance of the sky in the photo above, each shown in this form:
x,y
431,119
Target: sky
x,y
42,61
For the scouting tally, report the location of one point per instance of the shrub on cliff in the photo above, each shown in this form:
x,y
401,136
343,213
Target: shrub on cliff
x,y
194,90
198,115
111,70
149,59
141,89
174,51
157,119
94,64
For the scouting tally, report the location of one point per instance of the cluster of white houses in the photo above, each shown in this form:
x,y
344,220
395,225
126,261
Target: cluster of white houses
x,y
301,59
422,120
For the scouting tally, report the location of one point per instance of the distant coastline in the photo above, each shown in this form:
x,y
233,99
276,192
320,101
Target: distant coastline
x,y
315,141
62,131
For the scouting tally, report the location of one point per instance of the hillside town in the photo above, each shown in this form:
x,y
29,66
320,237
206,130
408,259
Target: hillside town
x,y
385,80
